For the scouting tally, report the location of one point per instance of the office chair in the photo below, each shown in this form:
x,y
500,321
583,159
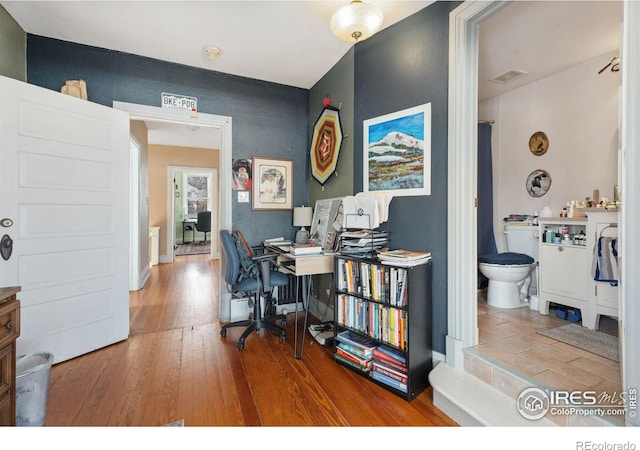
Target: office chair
x,y
204,224
241,283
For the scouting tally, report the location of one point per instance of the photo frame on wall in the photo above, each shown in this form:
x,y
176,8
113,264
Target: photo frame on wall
x,y
272,183
397,152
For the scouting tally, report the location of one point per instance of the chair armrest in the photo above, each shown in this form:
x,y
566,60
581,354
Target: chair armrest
x,y
265,261
264,257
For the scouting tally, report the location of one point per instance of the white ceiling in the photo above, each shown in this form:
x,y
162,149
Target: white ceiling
x,y
289,42
543,38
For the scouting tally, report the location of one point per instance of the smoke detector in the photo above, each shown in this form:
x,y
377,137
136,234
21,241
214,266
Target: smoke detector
x,y
211,51
508,76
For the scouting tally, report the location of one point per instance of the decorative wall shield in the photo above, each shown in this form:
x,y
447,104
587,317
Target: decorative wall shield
x,y
325,144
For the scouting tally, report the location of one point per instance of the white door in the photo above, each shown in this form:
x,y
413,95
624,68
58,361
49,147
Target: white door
x,y
64,183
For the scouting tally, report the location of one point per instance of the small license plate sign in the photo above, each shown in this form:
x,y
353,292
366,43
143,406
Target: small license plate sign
x,y
179,101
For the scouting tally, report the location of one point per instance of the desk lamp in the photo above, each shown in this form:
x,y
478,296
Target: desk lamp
x,y
302,216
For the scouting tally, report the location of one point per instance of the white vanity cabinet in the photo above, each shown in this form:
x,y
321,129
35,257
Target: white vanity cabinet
x,y
566,268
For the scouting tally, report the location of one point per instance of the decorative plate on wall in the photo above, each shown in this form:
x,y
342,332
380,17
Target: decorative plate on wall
x,y
538,183
539,143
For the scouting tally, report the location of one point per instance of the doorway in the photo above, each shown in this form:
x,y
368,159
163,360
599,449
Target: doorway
x,y
461,283
182,208
224,124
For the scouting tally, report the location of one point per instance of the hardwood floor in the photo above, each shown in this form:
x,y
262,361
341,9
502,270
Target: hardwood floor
x,y
175,366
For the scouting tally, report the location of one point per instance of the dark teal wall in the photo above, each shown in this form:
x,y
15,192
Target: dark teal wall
x,y
268,119
403,66
338,84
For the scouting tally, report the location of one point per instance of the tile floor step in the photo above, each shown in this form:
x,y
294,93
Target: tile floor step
x,y
498,376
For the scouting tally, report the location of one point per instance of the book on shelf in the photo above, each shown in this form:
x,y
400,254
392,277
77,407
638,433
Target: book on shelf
x,y
362,362
389,371
362,353
351,363
388,360
356,340
379,376
398,356
306,249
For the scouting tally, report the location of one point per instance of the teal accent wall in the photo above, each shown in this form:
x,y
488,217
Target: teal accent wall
x,y
402,66
269,119
338,84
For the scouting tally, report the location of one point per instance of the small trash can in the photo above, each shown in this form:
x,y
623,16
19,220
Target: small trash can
x,y
32,388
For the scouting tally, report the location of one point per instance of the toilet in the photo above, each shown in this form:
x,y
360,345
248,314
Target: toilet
x,y
509,273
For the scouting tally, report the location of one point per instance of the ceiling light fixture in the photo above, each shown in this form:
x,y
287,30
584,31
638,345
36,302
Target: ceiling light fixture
x,y
211,51
356,21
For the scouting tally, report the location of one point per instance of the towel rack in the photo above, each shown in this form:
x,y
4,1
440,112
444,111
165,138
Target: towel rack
x,y
611,225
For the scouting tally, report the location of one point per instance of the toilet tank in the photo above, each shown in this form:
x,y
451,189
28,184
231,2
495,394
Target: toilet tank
x,y
522,239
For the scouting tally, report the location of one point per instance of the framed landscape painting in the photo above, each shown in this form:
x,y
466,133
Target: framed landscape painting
x,y
397,152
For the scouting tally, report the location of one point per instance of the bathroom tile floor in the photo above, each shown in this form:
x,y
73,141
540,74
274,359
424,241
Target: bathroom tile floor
x,y
510,338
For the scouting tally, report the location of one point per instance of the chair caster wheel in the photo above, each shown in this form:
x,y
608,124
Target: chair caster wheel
x,y
283,338
284,322
240,345
223,333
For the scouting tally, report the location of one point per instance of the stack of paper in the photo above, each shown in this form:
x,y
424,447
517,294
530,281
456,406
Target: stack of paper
x,y
404,258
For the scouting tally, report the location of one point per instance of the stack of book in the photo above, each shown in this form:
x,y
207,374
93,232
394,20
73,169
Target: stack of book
x,y
354,350
389,367
306,249
404,258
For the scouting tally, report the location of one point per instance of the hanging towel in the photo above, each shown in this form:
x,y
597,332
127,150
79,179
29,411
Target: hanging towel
x,y
605,260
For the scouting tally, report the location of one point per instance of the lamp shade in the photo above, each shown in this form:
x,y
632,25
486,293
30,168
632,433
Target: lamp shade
x,y
302,216
356,21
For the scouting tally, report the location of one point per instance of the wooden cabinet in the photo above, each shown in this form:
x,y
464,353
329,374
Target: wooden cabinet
x,y
566,269
387,309
9,332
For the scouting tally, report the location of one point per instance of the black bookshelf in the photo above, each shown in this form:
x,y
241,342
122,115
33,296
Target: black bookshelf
x,y
374,314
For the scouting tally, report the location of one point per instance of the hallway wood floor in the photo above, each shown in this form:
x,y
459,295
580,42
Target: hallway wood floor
x,y
175,366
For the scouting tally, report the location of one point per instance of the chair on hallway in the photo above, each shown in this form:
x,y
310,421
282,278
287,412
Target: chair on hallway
x,y
251,276
203,224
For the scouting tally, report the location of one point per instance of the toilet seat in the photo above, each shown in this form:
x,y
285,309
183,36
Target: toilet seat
x,y
506,259
509,277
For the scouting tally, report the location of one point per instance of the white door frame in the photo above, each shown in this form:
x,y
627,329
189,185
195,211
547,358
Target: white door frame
x,y
174,115
462,150
135,280
171,201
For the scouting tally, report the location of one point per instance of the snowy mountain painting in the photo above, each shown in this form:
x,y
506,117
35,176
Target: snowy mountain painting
x,y
398,152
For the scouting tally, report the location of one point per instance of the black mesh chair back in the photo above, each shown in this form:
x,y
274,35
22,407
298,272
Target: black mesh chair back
x,y
203,224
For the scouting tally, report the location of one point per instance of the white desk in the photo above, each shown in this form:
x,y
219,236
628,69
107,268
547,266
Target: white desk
x,y
302,267
189,223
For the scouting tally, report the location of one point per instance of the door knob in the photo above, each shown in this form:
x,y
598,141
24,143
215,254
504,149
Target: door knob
x,y
6,247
